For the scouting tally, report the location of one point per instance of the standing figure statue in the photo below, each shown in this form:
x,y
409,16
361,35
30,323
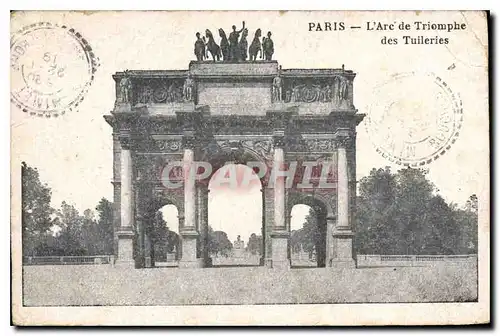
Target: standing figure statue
x,y
277,87
341,89
224,45
187,90
327,94
268,47
125,89
243,46
256,46
233,43
212,46
199,48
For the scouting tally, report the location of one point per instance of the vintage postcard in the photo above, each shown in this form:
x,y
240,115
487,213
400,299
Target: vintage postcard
x,y
250,168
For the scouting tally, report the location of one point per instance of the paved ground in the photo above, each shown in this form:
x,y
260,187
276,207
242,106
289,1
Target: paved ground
x,y
108,285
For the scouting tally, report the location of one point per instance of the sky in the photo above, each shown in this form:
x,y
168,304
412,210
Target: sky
x,y
73,153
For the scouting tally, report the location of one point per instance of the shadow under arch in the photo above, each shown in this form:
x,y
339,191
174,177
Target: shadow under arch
x,y
322,210
150,233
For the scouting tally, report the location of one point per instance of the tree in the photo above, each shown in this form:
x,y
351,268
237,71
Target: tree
x,y
375,211
218,242
254,245
402,214
159,236
71,235
105,227
471,204
36,210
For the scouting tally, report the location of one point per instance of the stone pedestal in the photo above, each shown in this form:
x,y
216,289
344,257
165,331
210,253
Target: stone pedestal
x,y
280,250
123,107
148,251
189,258
330,226
342,256
125,248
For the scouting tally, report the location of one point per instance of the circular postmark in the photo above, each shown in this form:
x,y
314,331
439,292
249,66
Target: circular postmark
x,y
415,118
52,67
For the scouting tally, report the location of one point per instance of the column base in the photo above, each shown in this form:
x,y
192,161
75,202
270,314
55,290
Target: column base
x,y
281,265
342,263
189,259
197,263
279,251
123,107
208,262
129,264
125,248
148,262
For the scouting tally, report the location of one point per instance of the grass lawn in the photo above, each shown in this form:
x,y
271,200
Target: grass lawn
x,y
70,285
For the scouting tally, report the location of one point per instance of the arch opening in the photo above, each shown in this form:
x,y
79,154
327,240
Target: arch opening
x,y
235,216
165,239
308,235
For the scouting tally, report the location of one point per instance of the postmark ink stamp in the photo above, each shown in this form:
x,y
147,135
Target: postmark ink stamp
x,y
415,118
52,67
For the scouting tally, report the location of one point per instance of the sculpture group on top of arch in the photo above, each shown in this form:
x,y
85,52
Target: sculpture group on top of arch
x,y
233,48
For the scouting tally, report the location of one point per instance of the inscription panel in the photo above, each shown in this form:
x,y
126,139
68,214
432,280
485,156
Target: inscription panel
x,y
235,98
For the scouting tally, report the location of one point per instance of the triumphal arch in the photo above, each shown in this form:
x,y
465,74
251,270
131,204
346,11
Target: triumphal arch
x,y
233,111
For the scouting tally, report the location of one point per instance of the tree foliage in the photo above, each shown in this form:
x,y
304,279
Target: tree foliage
x,y
64,231
36,210
165,241
218,242
254,245
402,214
306,237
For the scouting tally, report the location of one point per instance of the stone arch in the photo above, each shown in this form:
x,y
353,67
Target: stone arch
x,y
314,200
219,152
161,197
322,209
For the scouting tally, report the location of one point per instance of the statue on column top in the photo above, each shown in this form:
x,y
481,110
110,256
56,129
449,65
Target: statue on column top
x,y
188,88
277,87
125,88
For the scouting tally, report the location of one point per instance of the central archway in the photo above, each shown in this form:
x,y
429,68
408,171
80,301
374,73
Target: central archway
x,y
235,216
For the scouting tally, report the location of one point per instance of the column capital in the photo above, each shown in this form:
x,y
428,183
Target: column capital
x,y
279,139
124,136
339,232
343,138
331,218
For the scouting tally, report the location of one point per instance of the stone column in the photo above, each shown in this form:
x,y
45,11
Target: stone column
x,y
202,202
342,187
126,232
189,233
280,234
342,233
330,226
141,253
148,247
267,225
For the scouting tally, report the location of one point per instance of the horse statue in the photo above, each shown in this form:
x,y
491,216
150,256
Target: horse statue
x,y
224,45
212,46
256,46
243,45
